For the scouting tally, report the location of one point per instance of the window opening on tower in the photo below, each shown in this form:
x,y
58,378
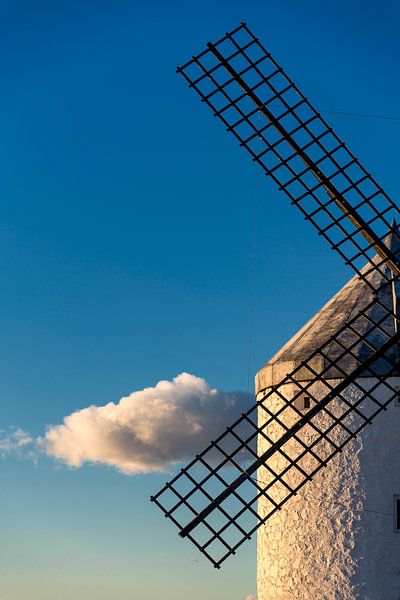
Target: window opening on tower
x,y
397,390
397,512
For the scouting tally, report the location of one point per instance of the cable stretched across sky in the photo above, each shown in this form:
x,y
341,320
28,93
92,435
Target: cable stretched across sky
x,y
362,115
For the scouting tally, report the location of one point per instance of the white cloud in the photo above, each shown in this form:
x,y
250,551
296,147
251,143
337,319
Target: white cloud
x,y
149,430
251,597
15,441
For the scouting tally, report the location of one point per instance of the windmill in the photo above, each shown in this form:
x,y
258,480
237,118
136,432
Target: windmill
x,y
310,405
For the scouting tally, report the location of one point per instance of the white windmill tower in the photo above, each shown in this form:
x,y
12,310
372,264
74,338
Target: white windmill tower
x,y
336,537
339,538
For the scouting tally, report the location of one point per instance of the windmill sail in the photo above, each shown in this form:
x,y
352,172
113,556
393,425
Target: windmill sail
x,y
213,501
265,111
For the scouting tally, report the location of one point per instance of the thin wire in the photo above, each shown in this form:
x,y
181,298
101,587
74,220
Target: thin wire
x,y
363,115
251,307
252,276
252,284
376,512
300,493
344,113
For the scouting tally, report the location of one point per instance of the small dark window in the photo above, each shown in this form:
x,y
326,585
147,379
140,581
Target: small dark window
x,y
306,402
397,501
397,398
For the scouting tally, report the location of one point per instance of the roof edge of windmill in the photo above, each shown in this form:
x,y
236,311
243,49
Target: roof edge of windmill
x,y
353,297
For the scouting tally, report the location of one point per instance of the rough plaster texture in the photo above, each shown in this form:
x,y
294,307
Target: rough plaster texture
x,y
336,540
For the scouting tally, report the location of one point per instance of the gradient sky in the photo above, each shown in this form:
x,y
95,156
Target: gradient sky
x,y
127,254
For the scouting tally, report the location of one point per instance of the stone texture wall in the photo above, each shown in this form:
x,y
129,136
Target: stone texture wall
x,y
336,539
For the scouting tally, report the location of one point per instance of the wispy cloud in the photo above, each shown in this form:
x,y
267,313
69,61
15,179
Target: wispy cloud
x,y
150,430
192,561
15,441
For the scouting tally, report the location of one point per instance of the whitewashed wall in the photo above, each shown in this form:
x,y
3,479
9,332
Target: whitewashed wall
x,y
336,539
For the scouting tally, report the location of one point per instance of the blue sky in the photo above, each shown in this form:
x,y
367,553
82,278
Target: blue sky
x,y
127,254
